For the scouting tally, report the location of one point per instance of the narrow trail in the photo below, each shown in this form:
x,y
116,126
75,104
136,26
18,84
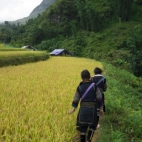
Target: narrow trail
x,y
94,139
97,132
96,135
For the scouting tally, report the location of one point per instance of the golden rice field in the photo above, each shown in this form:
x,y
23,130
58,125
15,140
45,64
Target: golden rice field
x,y
35,99
9,54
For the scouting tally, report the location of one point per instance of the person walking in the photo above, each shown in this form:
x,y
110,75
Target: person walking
x,y
87,94
100,81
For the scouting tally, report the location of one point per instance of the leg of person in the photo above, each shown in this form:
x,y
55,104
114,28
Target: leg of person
x,y
98,116
90,134
104,108
82,137
98,125
83,130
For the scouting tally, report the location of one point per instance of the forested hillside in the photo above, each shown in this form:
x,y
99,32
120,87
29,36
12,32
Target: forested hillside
x,y
106,30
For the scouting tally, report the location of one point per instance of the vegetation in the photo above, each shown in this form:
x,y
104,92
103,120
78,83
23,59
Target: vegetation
x,y
34,107
9,48
35,99
16,56
124,105
97,29
105,30
134,45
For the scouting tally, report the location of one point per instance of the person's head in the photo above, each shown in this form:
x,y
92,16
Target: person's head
x,y
97,70
85,74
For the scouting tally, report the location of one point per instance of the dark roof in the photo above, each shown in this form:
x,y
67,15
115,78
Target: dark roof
x,y
59,51
28,47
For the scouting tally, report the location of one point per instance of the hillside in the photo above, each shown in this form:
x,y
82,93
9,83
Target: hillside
x,y
105,30
36,11
41,8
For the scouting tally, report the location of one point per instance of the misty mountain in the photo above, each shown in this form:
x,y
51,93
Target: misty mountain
x,y
37,10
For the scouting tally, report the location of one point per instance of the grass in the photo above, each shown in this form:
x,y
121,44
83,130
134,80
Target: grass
x,y
5,47
35,99
123,107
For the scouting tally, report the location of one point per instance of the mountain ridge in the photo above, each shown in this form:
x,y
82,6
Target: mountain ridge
x,y
35,12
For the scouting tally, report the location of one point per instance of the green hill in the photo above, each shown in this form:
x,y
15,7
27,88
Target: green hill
x,y
106,30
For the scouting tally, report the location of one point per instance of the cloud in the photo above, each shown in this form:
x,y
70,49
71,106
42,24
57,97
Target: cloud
x,y
11,10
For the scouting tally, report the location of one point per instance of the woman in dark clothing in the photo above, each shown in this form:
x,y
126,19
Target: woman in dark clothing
x,y
100,81
87,116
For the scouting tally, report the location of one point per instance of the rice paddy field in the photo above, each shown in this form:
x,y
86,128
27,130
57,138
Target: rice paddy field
x,y
9,48
35,99
13,54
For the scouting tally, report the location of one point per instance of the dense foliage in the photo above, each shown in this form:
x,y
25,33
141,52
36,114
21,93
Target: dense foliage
x,y
134,45
123,107
89,28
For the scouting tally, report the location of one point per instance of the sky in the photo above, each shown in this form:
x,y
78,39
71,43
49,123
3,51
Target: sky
x,y
11,10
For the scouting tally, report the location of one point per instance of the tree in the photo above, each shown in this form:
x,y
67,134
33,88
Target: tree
x,y
87,16
134,45
124,7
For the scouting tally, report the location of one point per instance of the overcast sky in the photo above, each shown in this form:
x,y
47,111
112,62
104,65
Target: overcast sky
x,y
11,10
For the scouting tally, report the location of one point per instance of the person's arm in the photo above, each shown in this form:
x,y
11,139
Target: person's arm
x,y
72,110
105,85
75,102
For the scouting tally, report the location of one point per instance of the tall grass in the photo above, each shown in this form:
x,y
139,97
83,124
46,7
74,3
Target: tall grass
x,y
36,97
123,117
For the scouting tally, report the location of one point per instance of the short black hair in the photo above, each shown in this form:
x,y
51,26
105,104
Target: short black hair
x,y
97,70
85,74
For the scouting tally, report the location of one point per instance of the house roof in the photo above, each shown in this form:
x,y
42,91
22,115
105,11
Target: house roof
x,y
56,51
59,51
28,47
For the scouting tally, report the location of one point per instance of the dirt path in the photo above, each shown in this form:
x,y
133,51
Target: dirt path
x,y
94,139
96,135
97,132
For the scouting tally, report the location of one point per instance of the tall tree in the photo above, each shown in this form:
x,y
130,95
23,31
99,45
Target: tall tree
x,y
134,45
121,8
124,8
